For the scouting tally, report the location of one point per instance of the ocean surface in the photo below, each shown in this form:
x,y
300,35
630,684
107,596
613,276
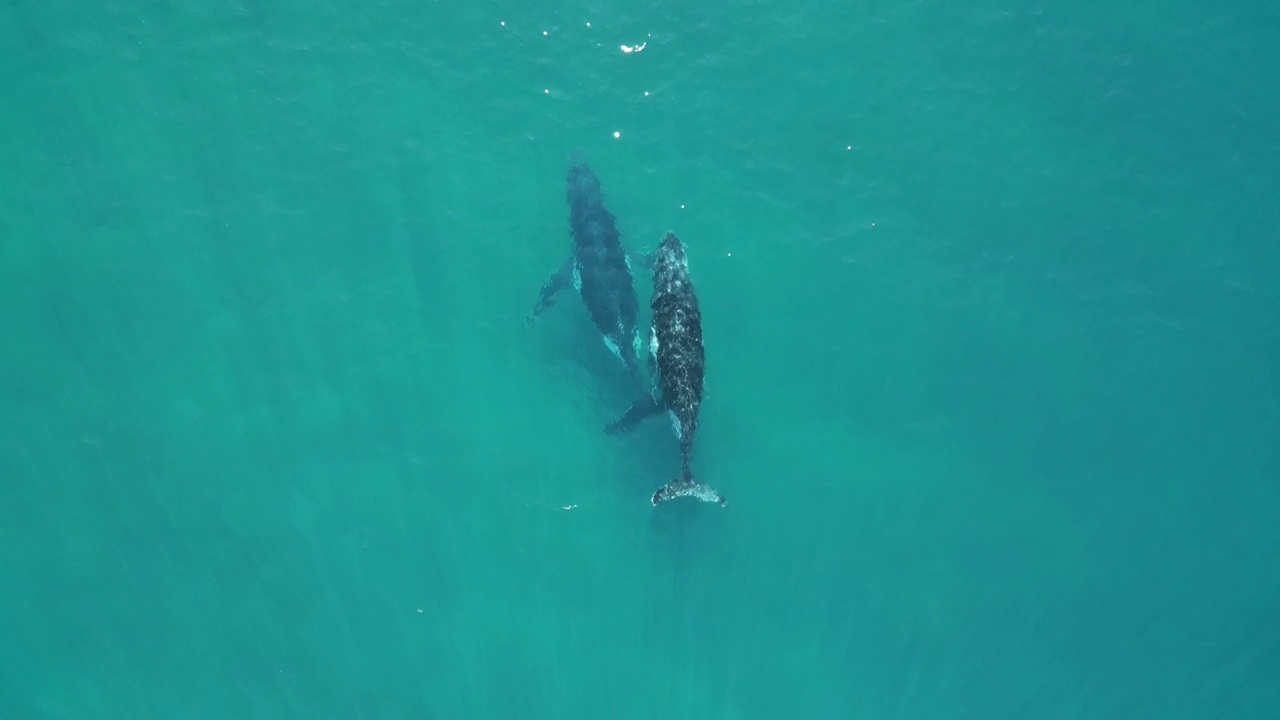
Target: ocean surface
x,y
991,308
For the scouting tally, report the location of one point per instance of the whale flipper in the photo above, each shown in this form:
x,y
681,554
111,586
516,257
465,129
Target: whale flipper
x,y
639,410
688,487
598,269
559,280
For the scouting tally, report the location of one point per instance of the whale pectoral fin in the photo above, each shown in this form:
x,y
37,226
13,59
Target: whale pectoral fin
x,y
681,487
639,410
559,280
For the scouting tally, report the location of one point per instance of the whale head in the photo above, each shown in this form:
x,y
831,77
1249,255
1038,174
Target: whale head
x,y
671,251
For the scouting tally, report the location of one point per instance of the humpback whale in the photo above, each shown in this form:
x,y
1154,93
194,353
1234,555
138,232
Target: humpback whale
x,y
599,268
677,362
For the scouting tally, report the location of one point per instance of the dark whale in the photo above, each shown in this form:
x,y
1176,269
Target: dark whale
x,y
599,268
678,363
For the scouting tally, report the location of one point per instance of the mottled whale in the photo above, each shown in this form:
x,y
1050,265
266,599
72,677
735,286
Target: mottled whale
x,y
599,268
678,364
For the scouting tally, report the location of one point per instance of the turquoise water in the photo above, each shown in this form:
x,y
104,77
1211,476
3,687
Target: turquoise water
x,y
990,305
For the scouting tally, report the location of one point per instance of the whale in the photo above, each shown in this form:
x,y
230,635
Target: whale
x,y
677,363
599,269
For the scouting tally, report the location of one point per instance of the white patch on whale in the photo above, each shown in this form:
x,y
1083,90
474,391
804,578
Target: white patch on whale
x,y
613,346
675,423
577,278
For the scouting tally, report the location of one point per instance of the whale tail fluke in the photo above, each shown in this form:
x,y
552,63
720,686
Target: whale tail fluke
x,y
688,487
